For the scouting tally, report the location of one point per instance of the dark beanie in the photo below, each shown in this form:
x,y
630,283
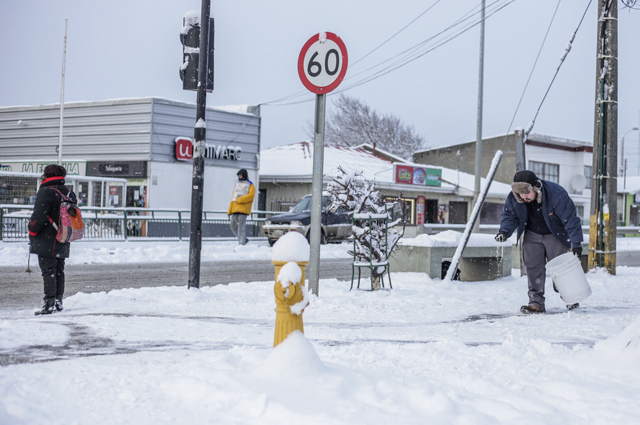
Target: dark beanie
x,y
243,174
526,176
54,170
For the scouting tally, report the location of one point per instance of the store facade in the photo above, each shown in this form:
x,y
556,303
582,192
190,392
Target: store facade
x,y
426,194
147,141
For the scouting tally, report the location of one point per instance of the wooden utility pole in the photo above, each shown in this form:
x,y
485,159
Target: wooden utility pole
x,y
602,231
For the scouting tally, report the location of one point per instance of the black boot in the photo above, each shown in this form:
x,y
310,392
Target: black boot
x,y
58,305
532,309
46,309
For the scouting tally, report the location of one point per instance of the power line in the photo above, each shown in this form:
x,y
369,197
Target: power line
x,y
564,56
304,92
411,54
531,73
393,36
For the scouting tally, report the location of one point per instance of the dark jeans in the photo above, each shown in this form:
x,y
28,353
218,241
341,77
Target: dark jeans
x,y
537,250
53,278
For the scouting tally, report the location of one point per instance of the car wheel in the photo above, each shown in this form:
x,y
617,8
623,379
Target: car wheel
x,y
272,241
323,238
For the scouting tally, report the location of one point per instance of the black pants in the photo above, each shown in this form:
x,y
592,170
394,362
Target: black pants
x,y
53,278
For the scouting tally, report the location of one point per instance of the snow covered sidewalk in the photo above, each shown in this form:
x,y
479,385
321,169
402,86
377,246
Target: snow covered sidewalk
x,y
108,252
424,352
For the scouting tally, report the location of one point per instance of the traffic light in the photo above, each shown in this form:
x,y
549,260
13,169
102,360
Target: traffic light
x,y
190,39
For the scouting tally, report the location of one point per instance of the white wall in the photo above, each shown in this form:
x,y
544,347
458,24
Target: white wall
x,y
571,163
174,179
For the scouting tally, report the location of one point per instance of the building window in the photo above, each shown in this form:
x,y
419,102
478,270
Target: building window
x,y
404,209
580,212
588,174
549,172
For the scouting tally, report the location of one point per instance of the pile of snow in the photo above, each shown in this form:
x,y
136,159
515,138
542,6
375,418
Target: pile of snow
x,y
292,246
451,238
625,345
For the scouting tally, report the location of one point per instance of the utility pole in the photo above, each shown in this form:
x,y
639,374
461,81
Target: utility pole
x,y
476,189
602,230
200,137
521,159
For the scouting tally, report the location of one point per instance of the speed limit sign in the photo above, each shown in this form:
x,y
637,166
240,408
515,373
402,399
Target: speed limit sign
x,y
322,63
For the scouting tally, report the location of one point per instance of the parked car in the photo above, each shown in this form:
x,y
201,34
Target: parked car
x,y
334,227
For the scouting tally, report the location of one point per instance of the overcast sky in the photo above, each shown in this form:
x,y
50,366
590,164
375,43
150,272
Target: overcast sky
x,y
120,49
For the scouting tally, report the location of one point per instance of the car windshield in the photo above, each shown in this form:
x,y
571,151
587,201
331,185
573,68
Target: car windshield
x,y
305,204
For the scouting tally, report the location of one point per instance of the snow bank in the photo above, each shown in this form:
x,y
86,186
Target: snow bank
x,y
451,238
625,345
85,252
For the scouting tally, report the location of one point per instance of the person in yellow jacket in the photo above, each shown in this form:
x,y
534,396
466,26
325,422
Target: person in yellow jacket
x,y
240,206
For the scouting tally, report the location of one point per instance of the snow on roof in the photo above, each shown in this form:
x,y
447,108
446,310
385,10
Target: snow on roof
x,y
383,153
534,137
296,160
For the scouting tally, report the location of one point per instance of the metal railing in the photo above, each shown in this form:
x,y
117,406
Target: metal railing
x,y
110,224
432,228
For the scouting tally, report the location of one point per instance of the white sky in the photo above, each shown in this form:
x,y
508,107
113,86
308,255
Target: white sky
x,y
120,49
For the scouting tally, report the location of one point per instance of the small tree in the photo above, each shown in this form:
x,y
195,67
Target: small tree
x,y
359,196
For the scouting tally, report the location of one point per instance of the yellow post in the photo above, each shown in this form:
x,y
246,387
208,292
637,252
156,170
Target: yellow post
x,y
286,321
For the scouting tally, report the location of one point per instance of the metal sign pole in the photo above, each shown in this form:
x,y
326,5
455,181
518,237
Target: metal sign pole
x,y
316,193
200,136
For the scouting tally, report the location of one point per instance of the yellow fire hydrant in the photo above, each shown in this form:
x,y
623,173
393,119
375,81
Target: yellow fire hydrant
x,y
291,298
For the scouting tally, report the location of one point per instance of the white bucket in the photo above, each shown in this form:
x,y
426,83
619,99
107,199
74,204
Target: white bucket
x,y
566,272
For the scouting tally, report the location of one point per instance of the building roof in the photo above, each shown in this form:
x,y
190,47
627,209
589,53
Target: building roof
x,y
295,163
533,137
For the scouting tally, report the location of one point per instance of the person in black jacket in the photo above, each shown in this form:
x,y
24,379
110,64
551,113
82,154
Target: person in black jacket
x,y
42,236
545,213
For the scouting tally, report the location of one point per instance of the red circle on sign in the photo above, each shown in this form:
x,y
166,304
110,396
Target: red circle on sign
x,y
302,70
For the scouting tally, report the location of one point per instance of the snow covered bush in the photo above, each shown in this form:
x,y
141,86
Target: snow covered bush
x,y
352,192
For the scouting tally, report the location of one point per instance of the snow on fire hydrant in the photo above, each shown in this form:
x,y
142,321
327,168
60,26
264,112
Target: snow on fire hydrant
x,y
290,257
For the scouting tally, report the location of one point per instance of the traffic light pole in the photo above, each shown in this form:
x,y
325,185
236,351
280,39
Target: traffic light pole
x,y
200,137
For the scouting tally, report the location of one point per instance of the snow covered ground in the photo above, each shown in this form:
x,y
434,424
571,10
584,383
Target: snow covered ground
x,y
106,252
424,352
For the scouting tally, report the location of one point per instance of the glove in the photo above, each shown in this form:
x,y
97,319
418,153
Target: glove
x,y
501,237
577,251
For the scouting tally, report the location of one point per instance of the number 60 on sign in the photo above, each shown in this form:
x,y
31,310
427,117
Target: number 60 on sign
x,y
322,63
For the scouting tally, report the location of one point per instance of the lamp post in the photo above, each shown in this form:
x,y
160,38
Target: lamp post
x,y
622,164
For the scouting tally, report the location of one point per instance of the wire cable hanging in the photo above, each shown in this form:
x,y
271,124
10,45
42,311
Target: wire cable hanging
x,y
531,74
567,49
409,55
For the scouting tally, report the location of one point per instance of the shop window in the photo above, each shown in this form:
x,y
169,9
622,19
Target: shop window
x,y
549,172
136,196
404,209
491,213
588,174
457,212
